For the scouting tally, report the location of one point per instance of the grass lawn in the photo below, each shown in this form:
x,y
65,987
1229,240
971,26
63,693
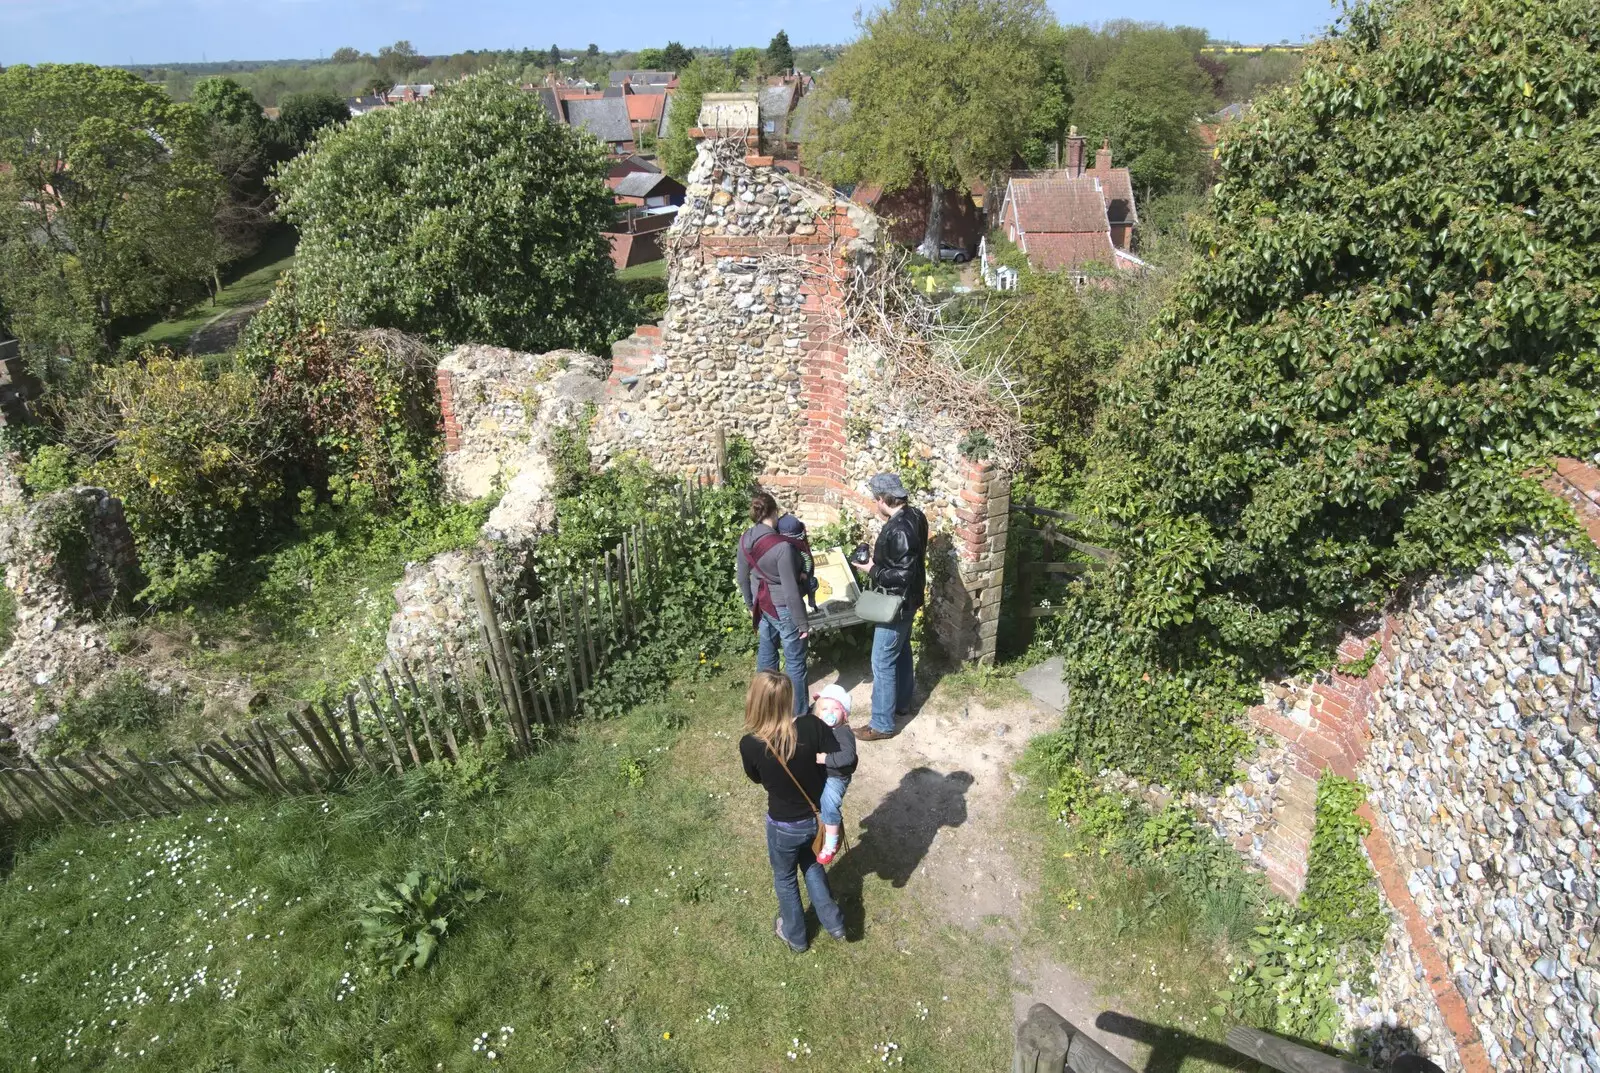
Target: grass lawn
x,y
628,927
648,270
1140,936
248,281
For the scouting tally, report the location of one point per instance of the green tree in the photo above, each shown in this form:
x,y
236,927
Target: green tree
x,y
303,115
1047,127
707,74
593,52
397,61
242,152
675,57
746,62
780,57
107,202
346,55
1390,319
650,59
943,90
555,56
488,227
1146,100
225,101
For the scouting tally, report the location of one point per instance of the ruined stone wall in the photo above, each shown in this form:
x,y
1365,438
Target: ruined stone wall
x,y
759,263
758,266
746,345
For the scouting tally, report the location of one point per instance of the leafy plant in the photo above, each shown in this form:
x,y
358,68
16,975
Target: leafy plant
x,y
404,922
694,614
1340,892
476,771
569,453
51,469
120,704
198,461
364,405
1286,983
631,770
916,471
848,530
1170,829
8,617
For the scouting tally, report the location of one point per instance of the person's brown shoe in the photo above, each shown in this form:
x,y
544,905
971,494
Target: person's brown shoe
x,y
868,734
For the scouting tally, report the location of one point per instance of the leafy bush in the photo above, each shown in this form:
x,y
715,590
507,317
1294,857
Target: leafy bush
x,y
488,226
647,298
1286,984
696,615
198,461
404,922
51,469
120,704
365,404
1387,327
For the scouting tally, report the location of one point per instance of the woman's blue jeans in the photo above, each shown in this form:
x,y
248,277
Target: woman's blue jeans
x,y
781,632
789,851
892,679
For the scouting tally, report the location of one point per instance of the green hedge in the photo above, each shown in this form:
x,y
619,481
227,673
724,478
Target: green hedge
x,y
1392,317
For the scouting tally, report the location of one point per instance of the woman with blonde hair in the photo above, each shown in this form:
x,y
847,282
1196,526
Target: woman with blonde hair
x,y
780,753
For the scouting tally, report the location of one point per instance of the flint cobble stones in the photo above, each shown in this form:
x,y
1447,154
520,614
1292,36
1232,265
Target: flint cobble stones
x,y
1483,767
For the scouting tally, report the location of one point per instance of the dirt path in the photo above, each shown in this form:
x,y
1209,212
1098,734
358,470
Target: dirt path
x,y
221,332
927,811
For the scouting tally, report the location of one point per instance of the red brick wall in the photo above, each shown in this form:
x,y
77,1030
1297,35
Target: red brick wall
x,y
1334,736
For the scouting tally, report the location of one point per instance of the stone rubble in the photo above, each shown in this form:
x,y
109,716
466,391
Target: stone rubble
x,y
503,412
1392,1012
56,645
1483,768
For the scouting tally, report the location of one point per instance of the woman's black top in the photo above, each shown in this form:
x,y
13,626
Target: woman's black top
x,y
784,802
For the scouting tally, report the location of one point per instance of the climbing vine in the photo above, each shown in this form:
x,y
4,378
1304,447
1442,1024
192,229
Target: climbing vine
x,y
1393,318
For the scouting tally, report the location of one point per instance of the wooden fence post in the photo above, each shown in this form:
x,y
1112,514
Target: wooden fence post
x,y
1042,1041
499,654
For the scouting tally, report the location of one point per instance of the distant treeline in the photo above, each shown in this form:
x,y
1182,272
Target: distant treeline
x,y
349,72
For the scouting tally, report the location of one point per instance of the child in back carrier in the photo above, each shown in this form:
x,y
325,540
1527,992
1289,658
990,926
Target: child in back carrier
x,y
793,530
833,708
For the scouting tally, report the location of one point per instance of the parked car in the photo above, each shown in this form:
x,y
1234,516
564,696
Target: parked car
x,y
958,254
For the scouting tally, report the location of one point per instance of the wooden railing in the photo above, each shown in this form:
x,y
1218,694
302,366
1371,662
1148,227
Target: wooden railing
x,y
1046,1042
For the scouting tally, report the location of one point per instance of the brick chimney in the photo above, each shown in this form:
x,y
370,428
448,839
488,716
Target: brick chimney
x,y
1075,147
1102,158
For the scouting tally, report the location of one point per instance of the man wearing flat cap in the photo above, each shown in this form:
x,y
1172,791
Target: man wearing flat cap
x,y
899,568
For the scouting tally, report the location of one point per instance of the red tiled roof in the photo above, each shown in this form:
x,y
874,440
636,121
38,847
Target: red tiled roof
x,y
1056,203
1049,252
645,106
1117,186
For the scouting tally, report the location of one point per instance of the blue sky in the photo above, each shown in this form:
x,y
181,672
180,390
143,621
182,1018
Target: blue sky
x,y
154,31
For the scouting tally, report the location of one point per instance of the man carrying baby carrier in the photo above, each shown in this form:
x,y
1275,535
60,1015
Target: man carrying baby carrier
x,y
773,581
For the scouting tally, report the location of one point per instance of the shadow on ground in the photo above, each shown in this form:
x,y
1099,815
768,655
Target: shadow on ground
x,y
896,836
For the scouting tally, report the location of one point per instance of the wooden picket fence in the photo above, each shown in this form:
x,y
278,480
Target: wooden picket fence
x,y
530,669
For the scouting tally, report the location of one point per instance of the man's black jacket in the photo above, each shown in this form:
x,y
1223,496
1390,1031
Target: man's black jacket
x,y
899,559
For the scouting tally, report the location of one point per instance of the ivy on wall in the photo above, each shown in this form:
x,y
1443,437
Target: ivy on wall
x,y
1393,316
